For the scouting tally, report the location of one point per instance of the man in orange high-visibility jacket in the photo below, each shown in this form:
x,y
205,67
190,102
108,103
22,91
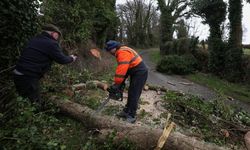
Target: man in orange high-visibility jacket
x,y
129,64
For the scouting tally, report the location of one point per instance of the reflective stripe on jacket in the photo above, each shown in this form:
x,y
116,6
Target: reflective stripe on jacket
x,y
126,59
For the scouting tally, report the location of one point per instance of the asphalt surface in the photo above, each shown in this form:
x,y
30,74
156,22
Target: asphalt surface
x,y
179,83
174,82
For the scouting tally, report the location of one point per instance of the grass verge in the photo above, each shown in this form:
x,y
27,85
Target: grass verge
x,y
154,54
236,90
246,51
213,122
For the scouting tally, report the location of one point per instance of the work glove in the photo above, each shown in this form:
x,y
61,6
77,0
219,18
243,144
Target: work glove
x,y
116,92
117,88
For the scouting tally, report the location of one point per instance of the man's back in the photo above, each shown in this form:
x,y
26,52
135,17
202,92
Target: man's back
x,y
37,57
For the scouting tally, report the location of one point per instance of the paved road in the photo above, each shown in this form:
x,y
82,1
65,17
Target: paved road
x,y
178,83
174,82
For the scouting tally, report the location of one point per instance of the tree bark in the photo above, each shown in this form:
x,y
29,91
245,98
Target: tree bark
x,y
143,136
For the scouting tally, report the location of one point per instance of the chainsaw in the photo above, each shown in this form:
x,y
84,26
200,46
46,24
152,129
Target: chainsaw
x,y
114,94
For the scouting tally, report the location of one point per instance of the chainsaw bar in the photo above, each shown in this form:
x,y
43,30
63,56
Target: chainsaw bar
x,y
103,104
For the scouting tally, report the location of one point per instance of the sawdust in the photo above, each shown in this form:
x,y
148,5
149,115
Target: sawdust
x,y
149,111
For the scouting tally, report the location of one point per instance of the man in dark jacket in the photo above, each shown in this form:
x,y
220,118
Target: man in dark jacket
x,y
36,59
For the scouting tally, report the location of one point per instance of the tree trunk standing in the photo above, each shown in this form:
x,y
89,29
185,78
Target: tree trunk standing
x,y
235,17
166,30
121,27
143,136
216,50
214,14
234,69
166,24
171,10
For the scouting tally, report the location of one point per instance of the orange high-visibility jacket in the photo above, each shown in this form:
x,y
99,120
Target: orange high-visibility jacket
x,y
126,59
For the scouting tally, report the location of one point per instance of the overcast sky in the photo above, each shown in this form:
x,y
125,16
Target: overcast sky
x,y
203,29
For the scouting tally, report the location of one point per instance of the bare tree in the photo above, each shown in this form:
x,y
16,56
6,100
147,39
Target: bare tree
x,y
137,20
171,11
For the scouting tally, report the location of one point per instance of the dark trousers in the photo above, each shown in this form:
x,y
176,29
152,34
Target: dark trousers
x,y
138,78
28,87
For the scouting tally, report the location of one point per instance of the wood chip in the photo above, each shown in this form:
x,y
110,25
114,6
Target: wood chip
x,y
146,88
171,83
186,83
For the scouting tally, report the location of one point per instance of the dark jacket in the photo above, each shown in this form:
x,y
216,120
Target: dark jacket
x,y
37,57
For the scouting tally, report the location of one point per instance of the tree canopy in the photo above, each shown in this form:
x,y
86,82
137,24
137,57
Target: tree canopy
x,y
214,13
81,19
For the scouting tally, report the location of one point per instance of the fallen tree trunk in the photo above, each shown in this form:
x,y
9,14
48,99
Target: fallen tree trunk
x,y
143,136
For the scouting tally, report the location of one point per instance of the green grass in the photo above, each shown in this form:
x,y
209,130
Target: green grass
x,y
236,90
246,51
202,117
32,129
155,56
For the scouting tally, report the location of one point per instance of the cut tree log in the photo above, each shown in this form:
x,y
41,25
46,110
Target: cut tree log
x,y
247,140
143,136
157,88
79,86
98,84
146,88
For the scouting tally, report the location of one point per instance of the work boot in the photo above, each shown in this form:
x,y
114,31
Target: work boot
x,y
122,114
130,119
